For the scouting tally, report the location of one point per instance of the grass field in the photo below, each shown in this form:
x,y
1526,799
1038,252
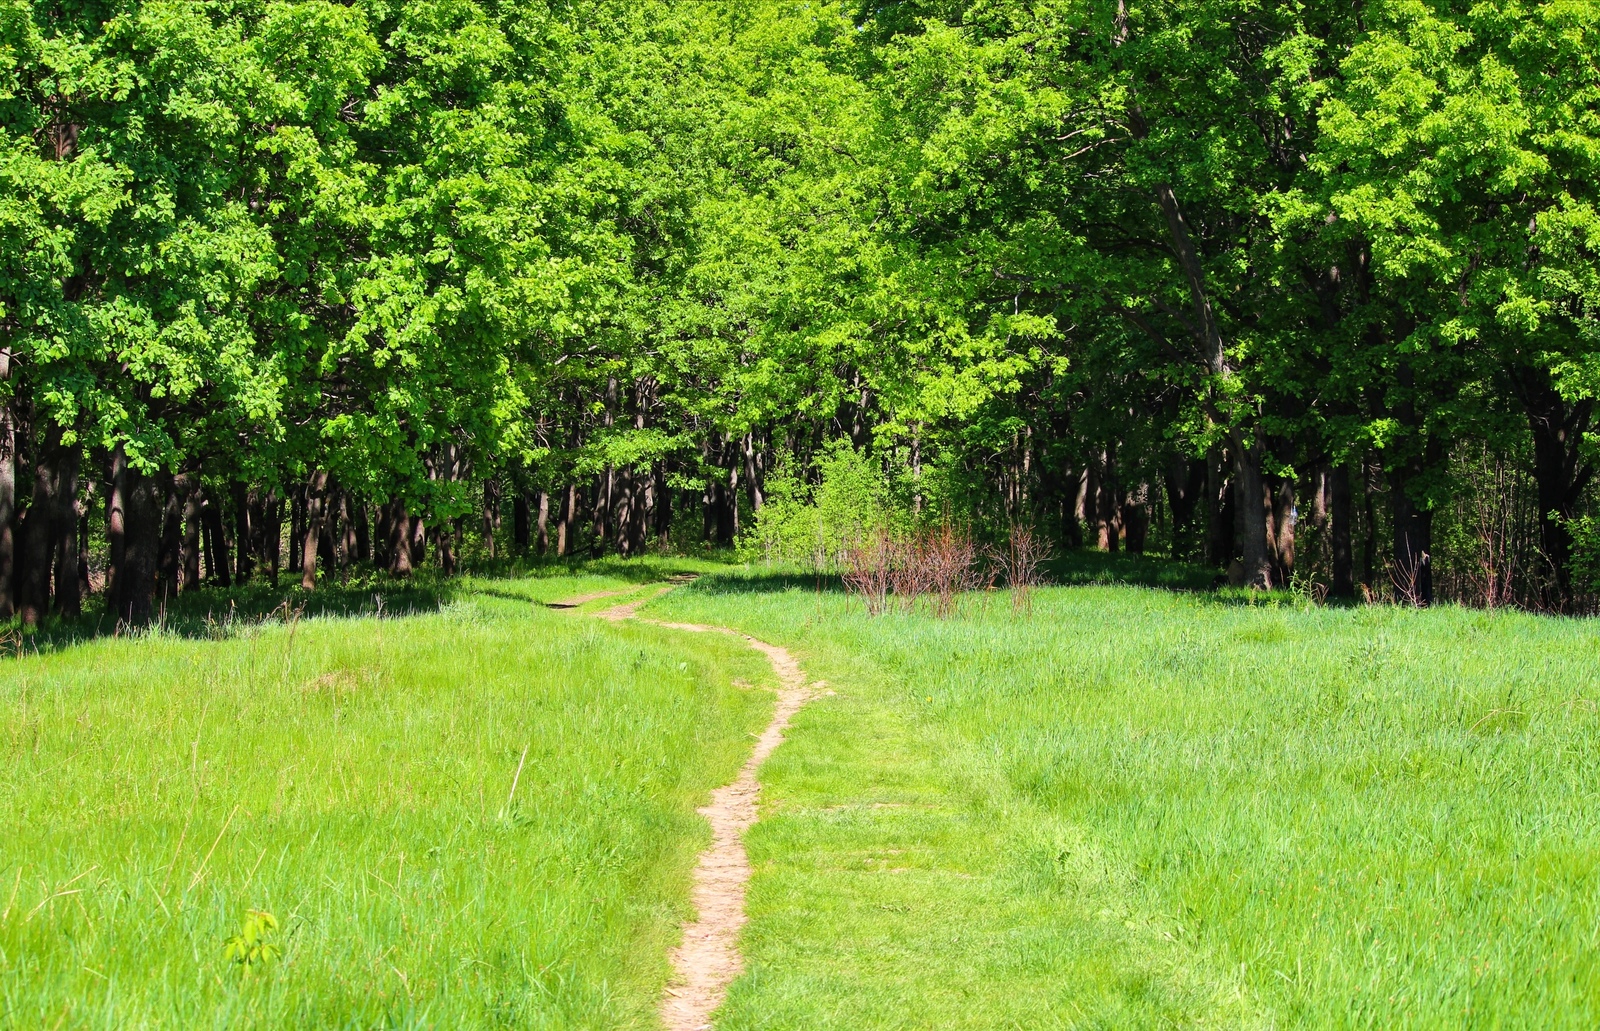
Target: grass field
x,y
353,777
1130,808
1136,808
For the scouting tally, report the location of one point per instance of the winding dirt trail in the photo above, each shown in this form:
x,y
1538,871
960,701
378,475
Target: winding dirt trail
x,y
708,959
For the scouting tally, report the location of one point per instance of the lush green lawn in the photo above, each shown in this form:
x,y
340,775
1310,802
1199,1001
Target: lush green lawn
x,y
1145,809
1132,808
353,778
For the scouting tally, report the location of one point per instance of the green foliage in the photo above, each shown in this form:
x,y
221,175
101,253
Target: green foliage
x,y
813,524
254,945
1585,532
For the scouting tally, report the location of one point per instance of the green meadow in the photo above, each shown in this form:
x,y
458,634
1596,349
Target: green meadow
x,y
1136,808
353,778
1127,807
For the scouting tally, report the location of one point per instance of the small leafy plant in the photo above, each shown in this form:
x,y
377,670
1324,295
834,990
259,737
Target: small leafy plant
x,y
254,944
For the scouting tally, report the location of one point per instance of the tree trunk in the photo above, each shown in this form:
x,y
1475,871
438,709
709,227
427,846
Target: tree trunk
x,y
569,501
362,530
542,542
8,494
1339,529
244,531
1413,538
85,588
491,515
449,536
69,597
37,536
1109,518
1251,507
316,502
1136,518
1220,534
519,519
753,480
1559,472
1185,481
1071,499
188,489
662,512
1280,513
144,521
217,547
272,535
297,525
117,530
398,544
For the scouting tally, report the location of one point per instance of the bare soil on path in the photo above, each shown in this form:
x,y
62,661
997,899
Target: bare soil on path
x,y
708,958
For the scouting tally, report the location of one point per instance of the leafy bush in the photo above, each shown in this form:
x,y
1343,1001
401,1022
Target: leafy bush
x,y
814,523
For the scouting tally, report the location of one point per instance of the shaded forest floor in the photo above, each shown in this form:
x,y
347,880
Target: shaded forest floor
x,y
1128,807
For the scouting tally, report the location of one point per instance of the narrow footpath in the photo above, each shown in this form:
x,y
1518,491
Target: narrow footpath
x,y
708,958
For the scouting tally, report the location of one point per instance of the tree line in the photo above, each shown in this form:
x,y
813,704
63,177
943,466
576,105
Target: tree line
x,y
1305,291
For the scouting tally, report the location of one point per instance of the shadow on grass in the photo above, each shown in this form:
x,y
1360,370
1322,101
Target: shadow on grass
x,y
766,582
211,612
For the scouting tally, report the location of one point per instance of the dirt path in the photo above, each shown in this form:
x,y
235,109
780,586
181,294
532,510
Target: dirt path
x,y
708,959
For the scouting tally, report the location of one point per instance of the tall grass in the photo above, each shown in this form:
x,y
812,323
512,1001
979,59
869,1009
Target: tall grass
x,y
357,780
1135,808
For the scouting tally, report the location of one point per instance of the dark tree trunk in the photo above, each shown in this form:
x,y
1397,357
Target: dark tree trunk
x,y
188,489
1219,512
311,543
362,530
418,539
1185,482
245,531
1279,511
491,516
297,525
271,519
1251,513
753,479
1072,508
1559,472
449,534
85,588
171,541
1136,519
69,596
398,542
1370,475
520,520
1091,501
1339,519
569,501
143,524
1413,538
217,545
116,529
662,514
542,539
1109,517
8,495
37,536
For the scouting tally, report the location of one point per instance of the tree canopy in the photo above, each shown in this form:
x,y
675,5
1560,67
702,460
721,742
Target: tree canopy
x,y
1308,291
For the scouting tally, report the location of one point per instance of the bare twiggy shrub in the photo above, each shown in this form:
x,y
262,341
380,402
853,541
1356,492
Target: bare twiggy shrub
x,y
1406,577
869,568
910,574
1020,559
949,560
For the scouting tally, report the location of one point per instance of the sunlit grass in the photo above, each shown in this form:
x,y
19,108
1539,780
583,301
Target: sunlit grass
x,y
1139,809
353,778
